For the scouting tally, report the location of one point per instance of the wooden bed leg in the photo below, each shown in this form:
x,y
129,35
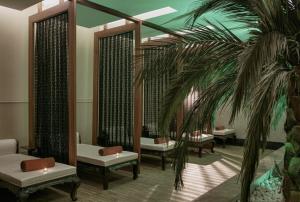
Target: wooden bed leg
x,y
75,185
163,161
22,196
135,170
224,142
234,139
200,152
212,147
105,178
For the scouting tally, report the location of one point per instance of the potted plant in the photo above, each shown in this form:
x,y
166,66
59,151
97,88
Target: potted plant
x,y
254,74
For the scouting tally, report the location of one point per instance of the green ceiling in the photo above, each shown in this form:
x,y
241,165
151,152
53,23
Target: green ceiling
x,y
88,17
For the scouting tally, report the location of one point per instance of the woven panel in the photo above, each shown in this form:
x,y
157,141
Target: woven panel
x,y
51,87
116,90
155,86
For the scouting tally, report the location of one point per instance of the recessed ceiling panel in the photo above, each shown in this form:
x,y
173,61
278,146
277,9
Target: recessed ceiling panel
x,y
18,4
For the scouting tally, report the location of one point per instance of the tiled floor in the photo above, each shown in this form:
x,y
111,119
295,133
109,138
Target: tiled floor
x,y
202,176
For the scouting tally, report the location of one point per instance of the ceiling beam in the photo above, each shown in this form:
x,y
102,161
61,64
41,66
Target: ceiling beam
x,y
126,16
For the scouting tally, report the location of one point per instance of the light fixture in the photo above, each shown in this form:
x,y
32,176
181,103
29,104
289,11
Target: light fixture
x,y
156,13
160,36
143,16
45,170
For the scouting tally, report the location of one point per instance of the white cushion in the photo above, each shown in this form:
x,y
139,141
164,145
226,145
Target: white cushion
x,y
201,138
224,132
8,146
10,171
148,143
90,154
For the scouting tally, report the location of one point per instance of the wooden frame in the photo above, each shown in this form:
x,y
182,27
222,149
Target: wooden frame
x,y
70,7
106,169
22,193
224,137
210,144
162,154
137,88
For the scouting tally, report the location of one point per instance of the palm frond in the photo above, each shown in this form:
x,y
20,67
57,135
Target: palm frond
x,y
252,60
200,115
270,88
279,110
239,10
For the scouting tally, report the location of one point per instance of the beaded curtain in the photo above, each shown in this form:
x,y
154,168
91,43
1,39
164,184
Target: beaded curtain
x,y
115,113
155,86
51,87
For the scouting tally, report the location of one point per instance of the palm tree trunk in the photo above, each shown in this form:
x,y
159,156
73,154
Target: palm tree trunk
x,y
291,184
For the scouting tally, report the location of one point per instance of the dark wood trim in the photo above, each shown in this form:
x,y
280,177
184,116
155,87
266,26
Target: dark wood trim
x,y
125,16
31,117
138,93
55,10
95,89
210,144
22,193
160,42
70,7
162,154
72,82
116,30
106,169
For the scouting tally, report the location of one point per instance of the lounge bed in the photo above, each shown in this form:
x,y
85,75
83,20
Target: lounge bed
x,y
224,134
202,141
89,155
162,150
22,184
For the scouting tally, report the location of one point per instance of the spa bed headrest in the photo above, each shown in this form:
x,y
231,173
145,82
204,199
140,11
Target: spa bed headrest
x,y
8,146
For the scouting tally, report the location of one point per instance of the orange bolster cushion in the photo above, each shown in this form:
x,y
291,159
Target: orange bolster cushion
x,y
37,164
220,127
161,140
196,133
110,150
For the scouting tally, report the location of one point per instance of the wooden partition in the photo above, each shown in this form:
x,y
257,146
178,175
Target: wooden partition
x,y
137,89
64,7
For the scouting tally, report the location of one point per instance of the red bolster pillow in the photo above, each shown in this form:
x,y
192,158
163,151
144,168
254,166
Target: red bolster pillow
x,y
220,127
110,150
37,164
161,140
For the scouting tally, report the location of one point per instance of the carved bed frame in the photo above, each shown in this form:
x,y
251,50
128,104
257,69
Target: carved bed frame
x,y
106,169
162,154
22,193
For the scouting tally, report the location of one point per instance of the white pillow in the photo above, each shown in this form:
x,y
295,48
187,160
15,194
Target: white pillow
x,y
8,146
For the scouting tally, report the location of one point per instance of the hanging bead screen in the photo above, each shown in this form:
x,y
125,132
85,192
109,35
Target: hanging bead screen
x,y
116,90
51,87
155,86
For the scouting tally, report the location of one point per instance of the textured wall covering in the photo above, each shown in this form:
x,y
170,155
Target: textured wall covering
x,y
116,90
51,87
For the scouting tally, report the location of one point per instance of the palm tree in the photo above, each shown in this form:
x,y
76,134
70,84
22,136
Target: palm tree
x,y
258,76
